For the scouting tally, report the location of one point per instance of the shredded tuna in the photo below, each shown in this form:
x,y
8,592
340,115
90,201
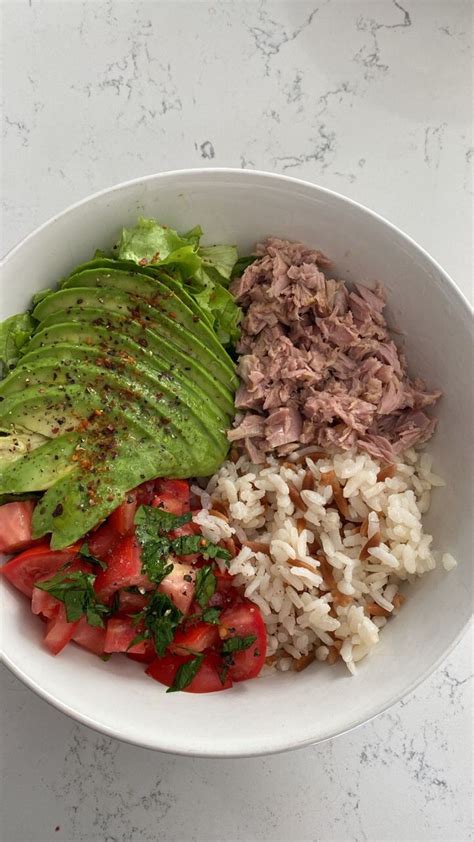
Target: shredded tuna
x,y
318,364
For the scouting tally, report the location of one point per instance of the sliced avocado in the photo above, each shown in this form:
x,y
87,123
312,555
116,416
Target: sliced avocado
x,y
40,468
15,445
119,375
70,507
181,340
178,324
90,333
132,269
51,411
116,355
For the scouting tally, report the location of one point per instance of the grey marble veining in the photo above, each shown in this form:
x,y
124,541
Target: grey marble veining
x,y
368,98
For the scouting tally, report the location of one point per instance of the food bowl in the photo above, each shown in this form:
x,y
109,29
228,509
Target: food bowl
x,y
287,710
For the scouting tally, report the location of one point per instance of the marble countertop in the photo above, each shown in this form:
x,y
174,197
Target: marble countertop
x,y
367,98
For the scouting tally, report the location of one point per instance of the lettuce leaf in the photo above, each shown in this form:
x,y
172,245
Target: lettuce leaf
x,y
204,270
149,242
220,258
14,332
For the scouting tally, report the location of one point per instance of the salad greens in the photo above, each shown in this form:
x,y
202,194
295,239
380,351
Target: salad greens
x,y
14,333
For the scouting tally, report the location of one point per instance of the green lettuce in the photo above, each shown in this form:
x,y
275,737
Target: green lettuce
x,y
204,270
14,333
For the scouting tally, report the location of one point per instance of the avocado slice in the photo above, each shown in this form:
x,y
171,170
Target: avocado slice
x,y
154,377
50,411
120,375
177,323
76,502
40,468
122,336
132,269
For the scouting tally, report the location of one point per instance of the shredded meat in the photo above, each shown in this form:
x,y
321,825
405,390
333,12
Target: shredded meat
x,y
318,364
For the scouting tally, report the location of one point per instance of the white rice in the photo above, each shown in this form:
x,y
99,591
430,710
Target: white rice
x,y
308,615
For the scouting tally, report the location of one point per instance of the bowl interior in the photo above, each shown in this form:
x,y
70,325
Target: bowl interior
x,y
283,711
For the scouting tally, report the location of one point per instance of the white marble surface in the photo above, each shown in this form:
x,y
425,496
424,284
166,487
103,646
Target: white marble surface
x,y
369,98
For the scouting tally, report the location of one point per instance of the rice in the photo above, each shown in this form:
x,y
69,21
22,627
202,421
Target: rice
x,y
325,585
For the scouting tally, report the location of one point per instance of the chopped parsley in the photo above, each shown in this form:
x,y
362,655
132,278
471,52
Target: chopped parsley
x,y
237,644
76,590
211,615
151,522
186,673
160,618
152,528
206,584
188,544
92,559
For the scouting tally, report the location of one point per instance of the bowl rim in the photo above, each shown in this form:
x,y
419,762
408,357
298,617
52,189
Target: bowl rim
x,y
281,744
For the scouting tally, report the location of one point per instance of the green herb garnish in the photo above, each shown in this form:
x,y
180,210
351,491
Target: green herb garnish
x,y
92,559
206,584
152,528
211,615
241,264
237,644
161,618
76,591
151,522
186,673
188,544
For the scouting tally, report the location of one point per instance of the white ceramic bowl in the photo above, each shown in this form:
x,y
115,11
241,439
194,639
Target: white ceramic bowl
x,y
288,710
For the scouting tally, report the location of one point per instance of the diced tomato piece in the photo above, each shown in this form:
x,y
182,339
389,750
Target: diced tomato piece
x,y
15,525
131,603
122,519
45,604
102,541
119,635
179,585
168,503
207,680
241,620
124,569
147,656
178,488
145,492
39,562
89,637
196,638
224,579
58,631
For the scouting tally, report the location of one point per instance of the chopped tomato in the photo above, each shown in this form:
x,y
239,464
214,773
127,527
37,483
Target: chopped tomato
x,y
39,562
119,635
168,503
58,631
15,525
124,569
45,604
145,493
131,603
145,657
178,488
179,585
103,540
242,620
208,679
195,639
89,637
122,519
